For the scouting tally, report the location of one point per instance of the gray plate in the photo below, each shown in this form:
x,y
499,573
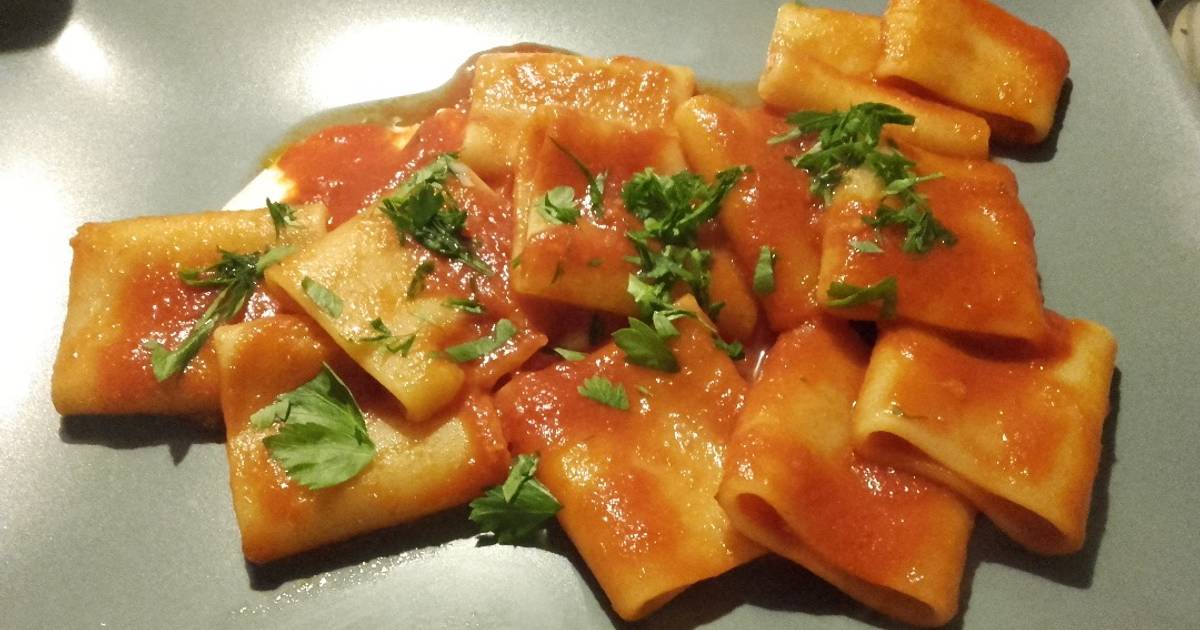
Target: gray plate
x,y
149,108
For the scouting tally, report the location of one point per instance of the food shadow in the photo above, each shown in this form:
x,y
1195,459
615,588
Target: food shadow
x,y
431,531
133,432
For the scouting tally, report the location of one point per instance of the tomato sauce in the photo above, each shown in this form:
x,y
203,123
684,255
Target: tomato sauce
x,y
158,306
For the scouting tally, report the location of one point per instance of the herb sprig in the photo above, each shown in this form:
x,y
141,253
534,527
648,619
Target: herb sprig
x,y
237,275
849,140
516,509
422,208
672,209
323,441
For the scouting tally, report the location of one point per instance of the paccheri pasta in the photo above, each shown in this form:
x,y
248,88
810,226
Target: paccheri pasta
x,y
693,331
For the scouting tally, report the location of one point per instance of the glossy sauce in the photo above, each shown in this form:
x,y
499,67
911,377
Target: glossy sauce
x,y
158,306
1006,393
636,485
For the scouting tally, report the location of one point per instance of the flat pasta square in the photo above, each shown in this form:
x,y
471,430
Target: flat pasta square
x,y
376,276
417,469
823,60
126,290
770,207
890,539
509,87
976,55
637,486
1014,428
985,283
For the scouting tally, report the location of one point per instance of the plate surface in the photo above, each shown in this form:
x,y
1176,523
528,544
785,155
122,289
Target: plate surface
x,y
121,108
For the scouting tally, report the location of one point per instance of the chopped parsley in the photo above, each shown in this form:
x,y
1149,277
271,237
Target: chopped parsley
x,y
422,208
383,336
323,441
236,275
595,184
465,305
326,300
849,140
417,284
764,272
558,206
282,215
472,350
865,247
605,392
671,209
848,295
569,354
516,509
734,349
644,346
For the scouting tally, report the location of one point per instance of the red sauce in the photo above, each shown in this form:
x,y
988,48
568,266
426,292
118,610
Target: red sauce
x,y
348,167
986,283
1004,396
158,306
872,521
771,206
615,469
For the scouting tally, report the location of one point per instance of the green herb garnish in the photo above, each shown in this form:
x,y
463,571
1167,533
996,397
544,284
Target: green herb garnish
x,y
392,343
734,349
865,247
471,350
423,209
558,206
570,355
595,184
764,271
417,284
605,392
323,441
844,295
326,300
644,346
465,305
282,215
516,509
850,140
237,275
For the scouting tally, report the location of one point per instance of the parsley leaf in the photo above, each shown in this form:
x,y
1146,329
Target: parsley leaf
x,y
417,284
323,441
734,349
282,215
764,271
845,142
558,206
865,247
569,354
471,350
392,343
595,184
516,509
922,231
605,392
644,346
848,295
423,209
850,140
236,275
465,305
326,300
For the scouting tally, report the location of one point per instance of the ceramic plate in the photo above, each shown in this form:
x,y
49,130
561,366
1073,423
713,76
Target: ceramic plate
x,y
118,108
